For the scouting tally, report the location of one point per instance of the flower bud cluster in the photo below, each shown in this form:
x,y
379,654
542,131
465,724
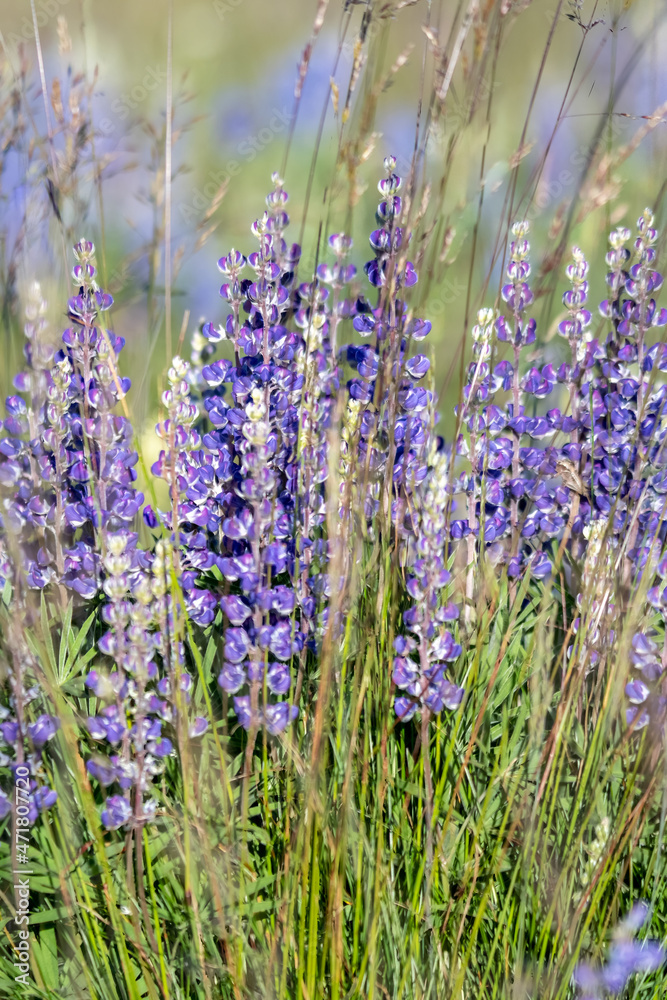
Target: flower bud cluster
x,y
146,689
597,490
420,666
393,422
80,459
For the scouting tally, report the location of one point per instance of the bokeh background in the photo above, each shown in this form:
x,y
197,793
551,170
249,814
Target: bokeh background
x,y
539,96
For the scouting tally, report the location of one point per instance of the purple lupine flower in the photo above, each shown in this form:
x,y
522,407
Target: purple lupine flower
x,y
43,730
188,470
626,957
647,703
99,493
599,483
318,379
74,475
23,743
198,726
386,424
117,812
272,631
149,688
26,506
520,333
422,656
5,806
250,490
615,457
506,474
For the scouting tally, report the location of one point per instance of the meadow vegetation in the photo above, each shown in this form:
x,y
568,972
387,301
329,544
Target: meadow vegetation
x,y
332,641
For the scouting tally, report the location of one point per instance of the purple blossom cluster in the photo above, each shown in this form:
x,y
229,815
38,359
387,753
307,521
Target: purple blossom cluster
x,y
389,412
422,655
247,483
394,469
22,746
148,688
564,462
25,729
247,490
627,957
245,544
596,487
68,472
514,505
67,461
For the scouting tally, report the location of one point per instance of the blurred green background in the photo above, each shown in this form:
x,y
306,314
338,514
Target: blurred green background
x,y
234,65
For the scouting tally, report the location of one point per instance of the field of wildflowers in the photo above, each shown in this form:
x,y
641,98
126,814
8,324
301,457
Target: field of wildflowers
x,y
336,665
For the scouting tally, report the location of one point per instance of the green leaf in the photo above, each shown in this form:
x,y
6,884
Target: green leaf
x,y
45,949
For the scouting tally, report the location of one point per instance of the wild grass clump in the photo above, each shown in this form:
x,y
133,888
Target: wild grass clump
x,y
343,691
